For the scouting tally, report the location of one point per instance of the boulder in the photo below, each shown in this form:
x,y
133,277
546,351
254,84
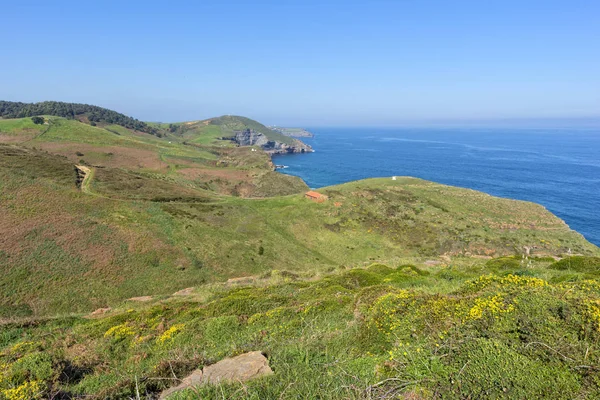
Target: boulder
x,y
184,292
236,369
241,368
100,311
194,379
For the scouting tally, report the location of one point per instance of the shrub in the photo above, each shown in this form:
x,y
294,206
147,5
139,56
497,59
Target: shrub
x,y
357,278
589,265
485,368
380,269
411,269
504,263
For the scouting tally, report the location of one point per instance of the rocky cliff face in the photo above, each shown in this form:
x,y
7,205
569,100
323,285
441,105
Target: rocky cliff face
x,y
250,137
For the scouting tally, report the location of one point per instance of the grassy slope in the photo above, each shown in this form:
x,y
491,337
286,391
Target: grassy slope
x,y
65,247
158,218
190,235
378,332
196,162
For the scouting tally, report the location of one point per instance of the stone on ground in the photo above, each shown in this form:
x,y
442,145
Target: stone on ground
x,y
192,380
236,369
241,368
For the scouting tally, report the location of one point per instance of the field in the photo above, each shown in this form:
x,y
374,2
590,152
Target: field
x,y
192,249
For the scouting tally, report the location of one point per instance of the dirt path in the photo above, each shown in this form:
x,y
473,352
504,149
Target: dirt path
x,y
87,176
40,134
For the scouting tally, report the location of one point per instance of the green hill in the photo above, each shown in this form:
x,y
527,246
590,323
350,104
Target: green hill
x,y
84,112
388,288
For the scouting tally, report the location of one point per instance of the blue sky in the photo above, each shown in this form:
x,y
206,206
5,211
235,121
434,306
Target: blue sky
x,y
308,62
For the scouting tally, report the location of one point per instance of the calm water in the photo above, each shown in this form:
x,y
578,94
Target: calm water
x,y
559,169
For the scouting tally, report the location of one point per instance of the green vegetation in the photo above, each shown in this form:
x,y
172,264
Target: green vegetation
x,y
144,232
93,114
378,332
391,288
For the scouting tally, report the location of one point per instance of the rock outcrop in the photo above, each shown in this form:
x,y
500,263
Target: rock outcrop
x,y
250,137
236,369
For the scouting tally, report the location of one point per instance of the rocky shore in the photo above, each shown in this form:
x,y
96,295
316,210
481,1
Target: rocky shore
x,y
250,137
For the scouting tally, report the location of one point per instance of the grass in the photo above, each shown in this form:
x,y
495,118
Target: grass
x,y
140,226
378,332
16,126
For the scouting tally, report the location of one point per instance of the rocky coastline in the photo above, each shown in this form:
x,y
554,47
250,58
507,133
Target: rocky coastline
x,y
250,137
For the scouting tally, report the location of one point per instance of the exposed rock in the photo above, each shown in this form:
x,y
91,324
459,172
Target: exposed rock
x,y
192,380
237,369
184,292
141,298
241,281
250,137
241,368
100,311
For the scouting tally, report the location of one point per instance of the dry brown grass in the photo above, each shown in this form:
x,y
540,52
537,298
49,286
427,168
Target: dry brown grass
x,y
109,156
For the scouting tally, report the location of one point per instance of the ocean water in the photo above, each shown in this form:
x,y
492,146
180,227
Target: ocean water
x,y
558,168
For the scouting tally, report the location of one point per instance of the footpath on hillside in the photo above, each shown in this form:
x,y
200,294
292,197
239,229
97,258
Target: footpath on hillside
x,y
84,175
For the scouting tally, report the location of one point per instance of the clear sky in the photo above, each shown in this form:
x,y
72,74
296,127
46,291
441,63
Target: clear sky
x,y
307,62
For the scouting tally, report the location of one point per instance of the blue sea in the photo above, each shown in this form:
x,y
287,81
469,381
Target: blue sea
x,y
558,168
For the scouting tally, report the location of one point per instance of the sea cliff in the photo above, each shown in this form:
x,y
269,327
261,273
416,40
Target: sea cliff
x,y
250,137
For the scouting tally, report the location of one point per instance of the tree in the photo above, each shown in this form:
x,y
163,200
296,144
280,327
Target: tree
x,y
37,120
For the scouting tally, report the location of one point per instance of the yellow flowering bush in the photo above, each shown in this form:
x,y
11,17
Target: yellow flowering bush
x,y
486,281
386,308
587,285
27,391
442,312
593,312
169,333
493,306
122,331
22,347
